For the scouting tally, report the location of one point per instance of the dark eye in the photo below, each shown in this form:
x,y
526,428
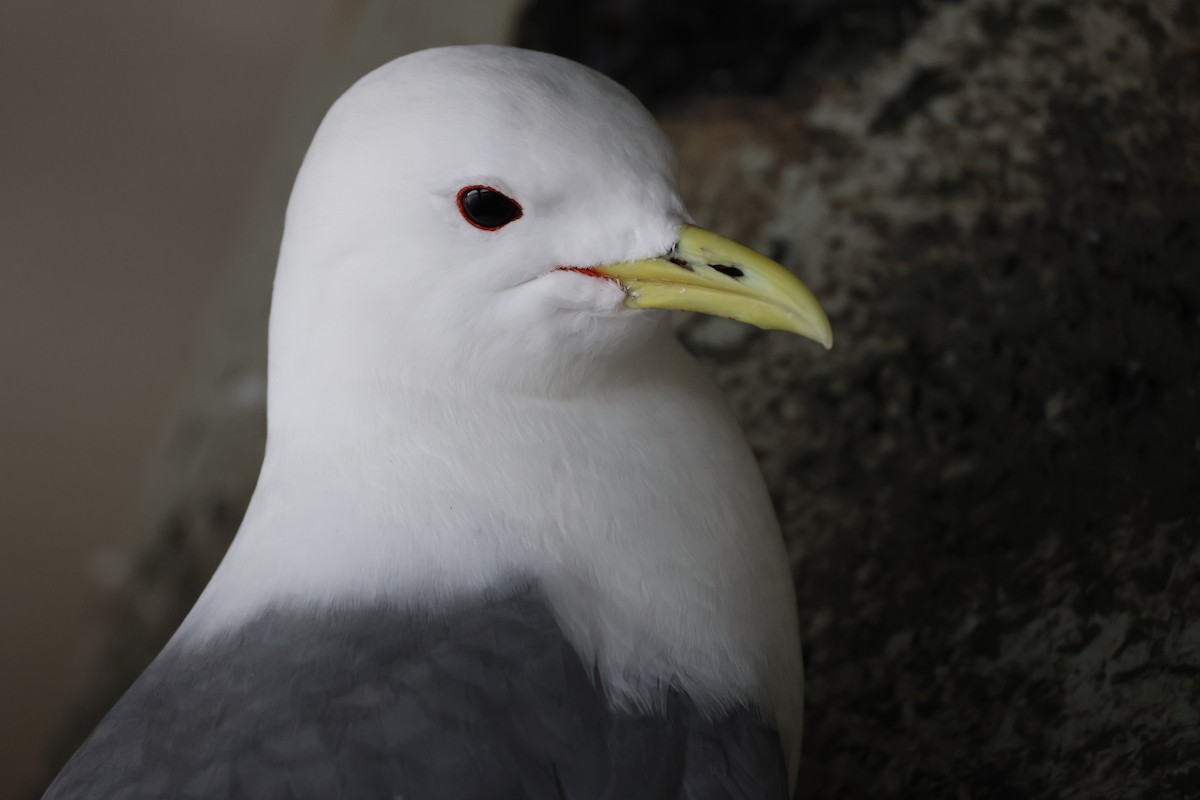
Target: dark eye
x,y
486,208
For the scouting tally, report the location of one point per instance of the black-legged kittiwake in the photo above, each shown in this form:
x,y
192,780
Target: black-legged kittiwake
x,y
508,541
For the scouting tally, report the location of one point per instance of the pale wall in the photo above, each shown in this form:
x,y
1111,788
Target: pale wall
x,y
137,142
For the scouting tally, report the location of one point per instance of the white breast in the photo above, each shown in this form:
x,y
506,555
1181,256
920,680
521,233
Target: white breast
x,y
640,510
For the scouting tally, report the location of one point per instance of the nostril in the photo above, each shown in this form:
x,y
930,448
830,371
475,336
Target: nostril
x,y
724,269
679,262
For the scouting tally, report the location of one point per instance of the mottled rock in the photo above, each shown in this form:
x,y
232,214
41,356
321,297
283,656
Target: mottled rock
x,y
991,487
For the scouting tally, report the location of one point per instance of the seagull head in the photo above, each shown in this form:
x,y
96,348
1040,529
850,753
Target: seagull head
x,y
495,216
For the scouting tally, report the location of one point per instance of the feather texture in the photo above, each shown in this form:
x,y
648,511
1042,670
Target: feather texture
x,y
487,700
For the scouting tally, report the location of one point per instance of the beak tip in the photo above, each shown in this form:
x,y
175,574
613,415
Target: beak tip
x,y
823,333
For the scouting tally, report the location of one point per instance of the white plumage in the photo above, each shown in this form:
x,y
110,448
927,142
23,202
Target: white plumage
x,y
451,409
445,408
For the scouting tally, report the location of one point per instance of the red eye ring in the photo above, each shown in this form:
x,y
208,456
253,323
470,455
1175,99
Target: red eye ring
x,y
487,208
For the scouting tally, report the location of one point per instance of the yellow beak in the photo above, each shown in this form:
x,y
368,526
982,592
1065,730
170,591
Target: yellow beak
x,y
710,274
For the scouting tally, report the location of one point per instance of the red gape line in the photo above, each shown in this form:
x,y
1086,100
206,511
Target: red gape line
x,y
595,273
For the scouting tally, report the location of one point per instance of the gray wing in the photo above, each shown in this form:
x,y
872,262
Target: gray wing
x,y
487,701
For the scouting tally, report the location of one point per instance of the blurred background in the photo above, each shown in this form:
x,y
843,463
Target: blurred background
x,y
147,151
991,487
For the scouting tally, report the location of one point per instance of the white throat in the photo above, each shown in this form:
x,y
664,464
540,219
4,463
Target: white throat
x,y
639,509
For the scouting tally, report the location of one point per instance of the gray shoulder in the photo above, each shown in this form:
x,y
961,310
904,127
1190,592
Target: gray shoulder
x,y
485,701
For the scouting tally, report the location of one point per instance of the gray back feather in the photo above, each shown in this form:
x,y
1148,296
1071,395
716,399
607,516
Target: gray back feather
x,y
485,701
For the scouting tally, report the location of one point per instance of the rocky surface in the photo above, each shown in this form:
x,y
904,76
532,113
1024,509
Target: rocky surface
x,y
991,486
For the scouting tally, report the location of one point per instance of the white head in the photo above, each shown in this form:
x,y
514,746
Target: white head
x,y
382,277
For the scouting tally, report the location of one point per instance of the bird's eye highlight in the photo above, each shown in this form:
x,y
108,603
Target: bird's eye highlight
x,y
487,208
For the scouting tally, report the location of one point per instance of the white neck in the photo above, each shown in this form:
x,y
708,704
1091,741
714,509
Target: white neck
x,y
639,509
